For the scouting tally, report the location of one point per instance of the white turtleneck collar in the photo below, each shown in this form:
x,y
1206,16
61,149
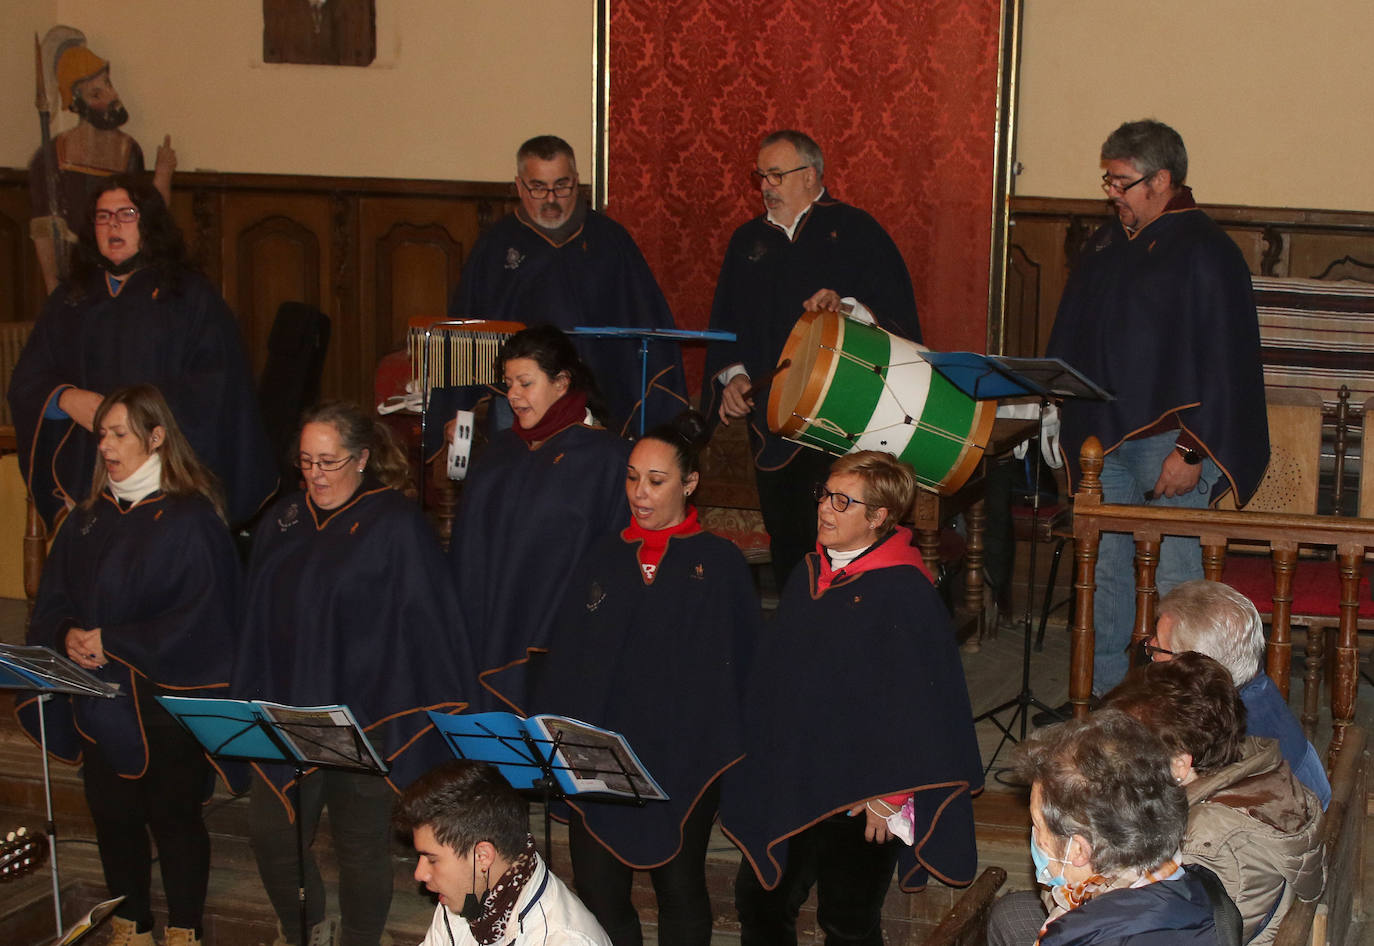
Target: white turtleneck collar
x,y
839,560
141,483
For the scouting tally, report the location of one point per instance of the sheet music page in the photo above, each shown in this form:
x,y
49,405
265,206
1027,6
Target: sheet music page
x,y
593,759
324,735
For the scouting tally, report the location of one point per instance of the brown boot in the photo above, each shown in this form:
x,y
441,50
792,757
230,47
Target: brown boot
x,y
125,933
180,936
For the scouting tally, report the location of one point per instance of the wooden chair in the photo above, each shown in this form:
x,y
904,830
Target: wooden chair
x,y
966,923
728,500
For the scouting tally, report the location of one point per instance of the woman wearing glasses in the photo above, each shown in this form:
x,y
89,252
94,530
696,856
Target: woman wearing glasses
x,y
133,311
348,601
539,496
141,589
652,641
859,742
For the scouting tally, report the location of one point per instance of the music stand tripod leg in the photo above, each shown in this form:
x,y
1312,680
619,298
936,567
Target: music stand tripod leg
x,y
300,855
51,825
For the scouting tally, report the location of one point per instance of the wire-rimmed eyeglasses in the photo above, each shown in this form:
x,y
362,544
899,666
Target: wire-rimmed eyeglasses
x,y
327,466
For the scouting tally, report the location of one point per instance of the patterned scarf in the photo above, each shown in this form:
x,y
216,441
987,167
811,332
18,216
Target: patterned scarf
x,y
1072,896
499,900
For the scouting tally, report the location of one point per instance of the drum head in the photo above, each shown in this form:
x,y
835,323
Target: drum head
x,y
800,387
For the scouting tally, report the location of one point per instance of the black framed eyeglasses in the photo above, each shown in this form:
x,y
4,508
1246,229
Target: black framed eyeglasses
x,y
838,501
328,466
1146,652
539,190
122,214
1109,184
775,177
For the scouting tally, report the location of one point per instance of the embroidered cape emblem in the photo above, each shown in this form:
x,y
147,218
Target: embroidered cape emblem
x,y
514,258
559,458
595,596
89,525
289,517
757,252
354,529
698,573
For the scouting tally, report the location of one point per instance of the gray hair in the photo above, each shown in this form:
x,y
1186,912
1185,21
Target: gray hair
x,y
545,148
1150,146
1107,779
1215,619
807,150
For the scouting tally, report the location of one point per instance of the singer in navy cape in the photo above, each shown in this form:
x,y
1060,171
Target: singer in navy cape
x,y
858,691
181,338
1166,322
527,516
354,605
596,277
161,581
662,664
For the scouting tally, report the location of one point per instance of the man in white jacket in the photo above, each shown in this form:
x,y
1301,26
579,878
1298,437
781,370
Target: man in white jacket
x,y
471,835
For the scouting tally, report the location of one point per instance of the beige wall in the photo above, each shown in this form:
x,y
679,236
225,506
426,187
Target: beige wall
x,y
1271,96
449,95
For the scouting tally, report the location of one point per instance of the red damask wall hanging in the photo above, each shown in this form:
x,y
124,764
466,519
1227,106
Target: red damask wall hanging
x,y
900,94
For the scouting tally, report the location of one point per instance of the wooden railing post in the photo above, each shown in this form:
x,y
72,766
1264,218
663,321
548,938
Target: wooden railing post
x,y
1146,593
1347,656
1086,540
1279,653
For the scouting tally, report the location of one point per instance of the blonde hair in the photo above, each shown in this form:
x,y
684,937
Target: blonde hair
x,y
888,484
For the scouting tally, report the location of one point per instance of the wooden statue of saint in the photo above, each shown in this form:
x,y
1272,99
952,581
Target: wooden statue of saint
x,y
79,158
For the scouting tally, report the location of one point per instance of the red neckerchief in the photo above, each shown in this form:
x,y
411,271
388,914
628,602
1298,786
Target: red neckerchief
x,y
893,549
564,412
654,542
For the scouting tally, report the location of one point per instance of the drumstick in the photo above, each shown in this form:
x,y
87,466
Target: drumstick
x,y
768,379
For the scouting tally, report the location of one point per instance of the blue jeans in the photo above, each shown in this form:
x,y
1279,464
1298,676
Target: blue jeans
x,y
1127,473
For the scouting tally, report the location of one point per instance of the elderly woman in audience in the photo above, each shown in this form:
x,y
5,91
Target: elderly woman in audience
x,y
141,588
1249,819
860,750
1107,821
652,642
1215,619
537,498
134,311
348,601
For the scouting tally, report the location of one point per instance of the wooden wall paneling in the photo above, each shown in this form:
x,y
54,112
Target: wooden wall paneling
x,y
22,291
275,248
411,255
1311,255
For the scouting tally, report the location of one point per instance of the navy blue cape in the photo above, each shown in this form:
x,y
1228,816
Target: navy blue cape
x,y
354,605
664,664
185,342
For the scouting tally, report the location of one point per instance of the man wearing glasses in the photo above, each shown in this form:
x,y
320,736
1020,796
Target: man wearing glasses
x,y
557,261
807,251
1158,310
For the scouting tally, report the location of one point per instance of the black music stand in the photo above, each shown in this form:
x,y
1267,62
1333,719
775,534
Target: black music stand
x,y
644,334
299,736
534,763
46,673
984,376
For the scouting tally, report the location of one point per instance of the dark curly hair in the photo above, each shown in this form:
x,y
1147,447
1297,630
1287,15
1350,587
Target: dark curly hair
x,y
161,245
685,433
1191,703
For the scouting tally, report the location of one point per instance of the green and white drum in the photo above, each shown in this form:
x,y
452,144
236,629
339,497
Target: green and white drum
x,y
852,386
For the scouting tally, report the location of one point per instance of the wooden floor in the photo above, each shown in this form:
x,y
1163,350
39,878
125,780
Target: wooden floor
x,y
238,913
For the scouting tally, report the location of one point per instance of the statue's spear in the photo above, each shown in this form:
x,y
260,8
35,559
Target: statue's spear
x,y
59,247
